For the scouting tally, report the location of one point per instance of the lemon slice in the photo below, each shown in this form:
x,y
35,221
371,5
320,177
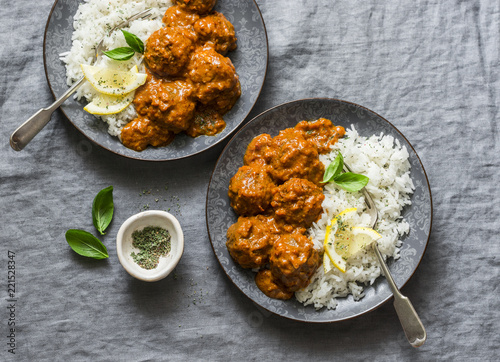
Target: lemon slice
x,y
334,243
343,239
103,104
111,81
361,238
327,263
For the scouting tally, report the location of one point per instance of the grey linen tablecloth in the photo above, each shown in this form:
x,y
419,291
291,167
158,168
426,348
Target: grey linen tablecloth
x,y
429,67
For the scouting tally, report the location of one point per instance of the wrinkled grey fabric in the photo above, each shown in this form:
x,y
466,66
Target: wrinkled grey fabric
x,y
430,67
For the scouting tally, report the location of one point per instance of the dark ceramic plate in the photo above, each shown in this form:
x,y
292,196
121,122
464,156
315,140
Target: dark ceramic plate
x,y
220,215
250,60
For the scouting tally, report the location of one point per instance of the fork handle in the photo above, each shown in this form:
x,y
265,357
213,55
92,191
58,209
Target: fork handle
x,y
29,129
408,317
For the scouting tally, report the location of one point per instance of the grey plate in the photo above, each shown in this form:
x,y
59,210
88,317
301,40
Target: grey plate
x,y
250,60
220,215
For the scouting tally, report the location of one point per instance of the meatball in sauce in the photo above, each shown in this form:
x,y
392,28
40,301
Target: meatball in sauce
x,y
217,30
259,151
196,6
298,202
250,239
169,50
278,191
215,78
295,157
293,260
168,103
250,190
176,16
191,84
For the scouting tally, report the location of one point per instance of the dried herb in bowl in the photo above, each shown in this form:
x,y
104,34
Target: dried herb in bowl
x,y
153,242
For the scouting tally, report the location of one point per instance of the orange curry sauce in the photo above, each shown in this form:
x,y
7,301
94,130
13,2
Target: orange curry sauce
x,y
191,84
277,194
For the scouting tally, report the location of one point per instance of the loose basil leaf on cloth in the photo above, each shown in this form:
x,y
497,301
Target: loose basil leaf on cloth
x,y
133,41
86,244
102,209
351,182
123,53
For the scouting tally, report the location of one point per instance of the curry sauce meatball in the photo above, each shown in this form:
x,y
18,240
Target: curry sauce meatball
x,y
295,157
250,239
168,50
260,150
268,285
178,16
141,132
216,30
169,103
321,133
196,6
298,202
216,80
293,260
250,190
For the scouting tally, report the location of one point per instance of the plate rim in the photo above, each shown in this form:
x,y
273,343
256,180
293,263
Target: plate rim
x,y
431,207
216,143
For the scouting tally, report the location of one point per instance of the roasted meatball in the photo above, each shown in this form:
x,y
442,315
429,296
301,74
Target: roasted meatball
x,y
216,80
216,30
250,190
259,151
293,260
295,157
196,6
178,16
270,286
298,202
250,239
168,103
140,133
168,50
321,133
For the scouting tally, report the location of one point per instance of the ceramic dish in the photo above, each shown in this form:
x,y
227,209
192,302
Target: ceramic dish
x,y
250,60
220,215
139,221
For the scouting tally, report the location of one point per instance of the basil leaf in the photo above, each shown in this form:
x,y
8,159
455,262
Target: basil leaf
x,y
351,182
86,244
333,169
102,209
124,53
134,42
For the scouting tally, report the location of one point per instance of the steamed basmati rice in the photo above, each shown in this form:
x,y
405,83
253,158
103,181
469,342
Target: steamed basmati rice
x,y
385,162
93,20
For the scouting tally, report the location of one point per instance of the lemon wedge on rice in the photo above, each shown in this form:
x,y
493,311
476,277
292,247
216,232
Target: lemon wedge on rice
x,y
343,239
103,104
113,82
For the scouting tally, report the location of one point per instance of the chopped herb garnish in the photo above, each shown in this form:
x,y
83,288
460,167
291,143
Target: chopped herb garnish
x,y
153,242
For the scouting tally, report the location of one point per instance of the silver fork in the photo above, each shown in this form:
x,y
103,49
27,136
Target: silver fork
x,y
408,317
29,129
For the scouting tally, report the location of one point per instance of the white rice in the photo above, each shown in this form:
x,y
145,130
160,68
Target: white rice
x,y
385,162
93,20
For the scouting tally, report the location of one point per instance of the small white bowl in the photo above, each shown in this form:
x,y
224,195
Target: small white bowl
x,y
138,222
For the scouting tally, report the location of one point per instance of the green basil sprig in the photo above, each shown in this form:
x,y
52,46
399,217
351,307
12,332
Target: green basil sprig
x,y
102,209
349,181
135,45
86,244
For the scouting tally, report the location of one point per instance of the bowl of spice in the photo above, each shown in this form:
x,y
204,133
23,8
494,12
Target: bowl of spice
x,y
150,244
